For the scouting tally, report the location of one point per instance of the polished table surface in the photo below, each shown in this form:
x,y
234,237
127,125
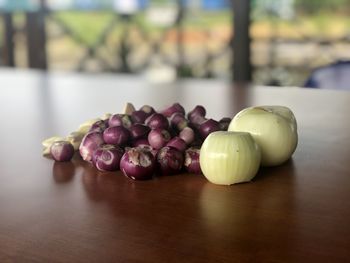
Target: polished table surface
x,y
70,212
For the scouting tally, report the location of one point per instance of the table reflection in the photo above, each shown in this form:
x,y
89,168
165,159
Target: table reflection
x,y
232,213
63,172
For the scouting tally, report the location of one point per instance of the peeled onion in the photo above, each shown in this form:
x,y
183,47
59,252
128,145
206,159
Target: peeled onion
x,y
229,157
274,129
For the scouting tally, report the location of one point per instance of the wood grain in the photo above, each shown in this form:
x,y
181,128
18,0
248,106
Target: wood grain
x,y
69,212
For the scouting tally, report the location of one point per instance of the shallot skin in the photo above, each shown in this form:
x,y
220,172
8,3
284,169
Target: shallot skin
x,y
120,120
99,126
191,163
208,127
138,164
157,121
117,135
175,108
107,157
224,123
158,138
188,135
139,116
149,110
62,151
178,121
170,160
89,144
198,112
178,143
142,143
138,131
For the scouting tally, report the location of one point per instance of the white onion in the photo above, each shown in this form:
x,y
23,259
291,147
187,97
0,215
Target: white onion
x,y
274,129
229,157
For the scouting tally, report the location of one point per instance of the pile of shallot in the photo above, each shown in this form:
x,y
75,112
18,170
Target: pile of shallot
x,y
141,143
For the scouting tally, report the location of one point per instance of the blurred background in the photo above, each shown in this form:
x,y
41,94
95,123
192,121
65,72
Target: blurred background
x,y
183,38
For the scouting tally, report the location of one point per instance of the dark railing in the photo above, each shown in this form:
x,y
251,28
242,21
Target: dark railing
x,y
36,38
36,42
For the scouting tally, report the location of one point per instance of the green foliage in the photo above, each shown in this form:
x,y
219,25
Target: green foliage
x,y
87,25
315,6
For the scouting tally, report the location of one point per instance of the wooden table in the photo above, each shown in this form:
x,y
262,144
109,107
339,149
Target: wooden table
x,y
69,212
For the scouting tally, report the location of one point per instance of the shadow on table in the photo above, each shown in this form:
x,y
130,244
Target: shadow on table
x,y
63,172
285,169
